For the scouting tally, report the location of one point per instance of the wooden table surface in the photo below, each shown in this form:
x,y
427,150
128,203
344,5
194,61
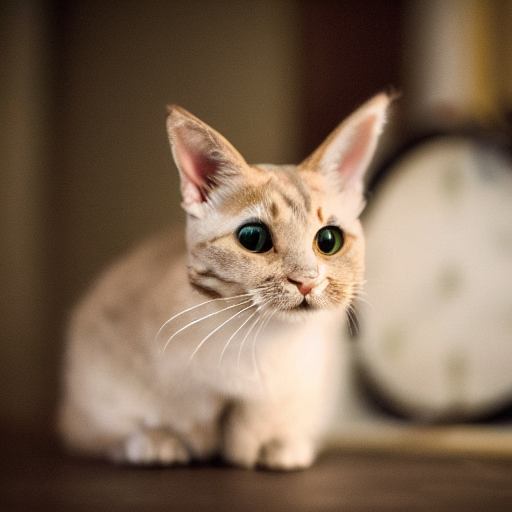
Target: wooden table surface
x,y
36,475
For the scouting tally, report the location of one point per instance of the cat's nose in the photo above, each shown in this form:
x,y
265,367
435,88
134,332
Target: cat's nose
x,y
304,283
304,287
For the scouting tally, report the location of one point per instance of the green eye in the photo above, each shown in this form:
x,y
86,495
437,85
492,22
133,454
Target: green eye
x,y
255,237
329,240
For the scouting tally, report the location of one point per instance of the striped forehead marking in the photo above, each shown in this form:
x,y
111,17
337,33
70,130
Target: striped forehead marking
x,y
300,187
274,210
283,189
292,192
298,207
243,198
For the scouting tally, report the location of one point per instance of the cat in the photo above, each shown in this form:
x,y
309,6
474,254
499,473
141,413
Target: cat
x,y
232,347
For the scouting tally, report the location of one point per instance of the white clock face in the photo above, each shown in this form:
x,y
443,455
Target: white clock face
x,y
437,338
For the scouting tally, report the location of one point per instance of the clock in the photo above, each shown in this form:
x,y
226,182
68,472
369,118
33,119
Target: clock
x,y
435,333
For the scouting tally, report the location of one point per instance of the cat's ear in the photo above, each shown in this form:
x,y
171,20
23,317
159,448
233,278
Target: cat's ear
x,y
202,155
347,152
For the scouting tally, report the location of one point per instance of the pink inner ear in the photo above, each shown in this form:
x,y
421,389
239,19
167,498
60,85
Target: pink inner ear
x,y
354,160
205,168
198,168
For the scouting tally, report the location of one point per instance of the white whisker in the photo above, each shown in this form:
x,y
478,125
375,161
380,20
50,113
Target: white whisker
x,y
198,306
221,325
264,322
361,299
204,318
233,335
246,335
352,320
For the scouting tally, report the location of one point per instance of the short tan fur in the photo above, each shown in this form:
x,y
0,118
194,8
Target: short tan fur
x,y
232,347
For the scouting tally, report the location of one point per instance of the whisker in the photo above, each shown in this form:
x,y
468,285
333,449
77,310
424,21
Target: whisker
x,y
246,335
352,321
359,298
204,318
198,306
264,322
360,290
233,335
221,325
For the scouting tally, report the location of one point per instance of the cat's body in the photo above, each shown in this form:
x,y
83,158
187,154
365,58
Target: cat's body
x,y
231,348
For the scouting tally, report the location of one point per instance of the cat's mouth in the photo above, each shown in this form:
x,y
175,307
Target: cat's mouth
x,y
303,306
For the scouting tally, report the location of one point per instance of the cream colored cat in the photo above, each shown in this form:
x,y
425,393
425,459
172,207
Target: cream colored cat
x,y
231,348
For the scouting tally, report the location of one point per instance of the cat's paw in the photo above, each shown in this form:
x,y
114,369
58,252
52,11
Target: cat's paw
x,y
286,455
153,447
279,454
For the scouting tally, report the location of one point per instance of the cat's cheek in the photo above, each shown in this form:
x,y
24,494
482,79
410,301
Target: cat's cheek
x,y
345,276
227,270
352,254
319,290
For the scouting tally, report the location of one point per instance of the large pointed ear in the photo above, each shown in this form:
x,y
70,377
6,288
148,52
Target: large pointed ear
x,y
347,152
202,155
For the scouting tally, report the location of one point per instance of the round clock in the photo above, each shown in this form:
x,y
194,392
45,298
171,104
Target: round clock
x,y
435,335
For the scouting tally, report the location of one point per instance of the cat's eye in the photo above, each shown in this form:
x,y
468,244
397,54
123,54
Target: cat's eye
x,y
329,240
255,237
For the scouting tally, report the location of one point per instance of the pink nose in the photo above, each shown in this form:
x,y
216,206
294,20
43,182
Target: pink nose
x,y
304,285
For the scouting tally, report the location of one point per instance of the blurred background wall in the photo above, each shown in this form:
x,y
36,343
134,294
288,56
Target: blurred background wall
x,y
85,165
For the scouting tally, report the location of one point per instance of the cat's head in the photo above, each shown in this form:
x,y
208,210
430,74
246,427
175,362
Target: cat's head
x,y
287,235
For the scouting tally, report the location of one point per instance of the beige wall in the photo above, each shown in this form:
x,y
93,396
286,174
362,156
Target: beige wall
x,y
24,231
85,164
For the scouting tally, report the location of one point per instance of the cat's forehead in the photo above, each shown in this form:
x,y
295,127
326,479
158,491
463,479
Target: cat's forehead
x,y
279,190
283,198
287,193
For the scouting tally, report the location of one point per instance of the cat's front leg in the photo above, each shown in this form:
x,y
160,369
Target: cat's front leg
x,y
287,453
248,442
152,446
169,443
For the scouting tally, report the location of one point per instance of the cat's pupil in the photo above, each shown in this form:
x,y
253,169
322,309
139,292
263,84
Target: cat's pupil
x,y
329,240
255,237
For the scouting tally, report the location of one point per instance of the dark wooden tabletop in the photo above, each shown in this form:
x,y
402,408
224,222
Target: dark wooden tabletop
x,y
36,475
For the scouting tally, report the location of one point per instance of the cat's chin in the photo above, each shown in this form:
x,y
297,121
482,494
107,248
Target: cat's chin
x,y
299,312
305,307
